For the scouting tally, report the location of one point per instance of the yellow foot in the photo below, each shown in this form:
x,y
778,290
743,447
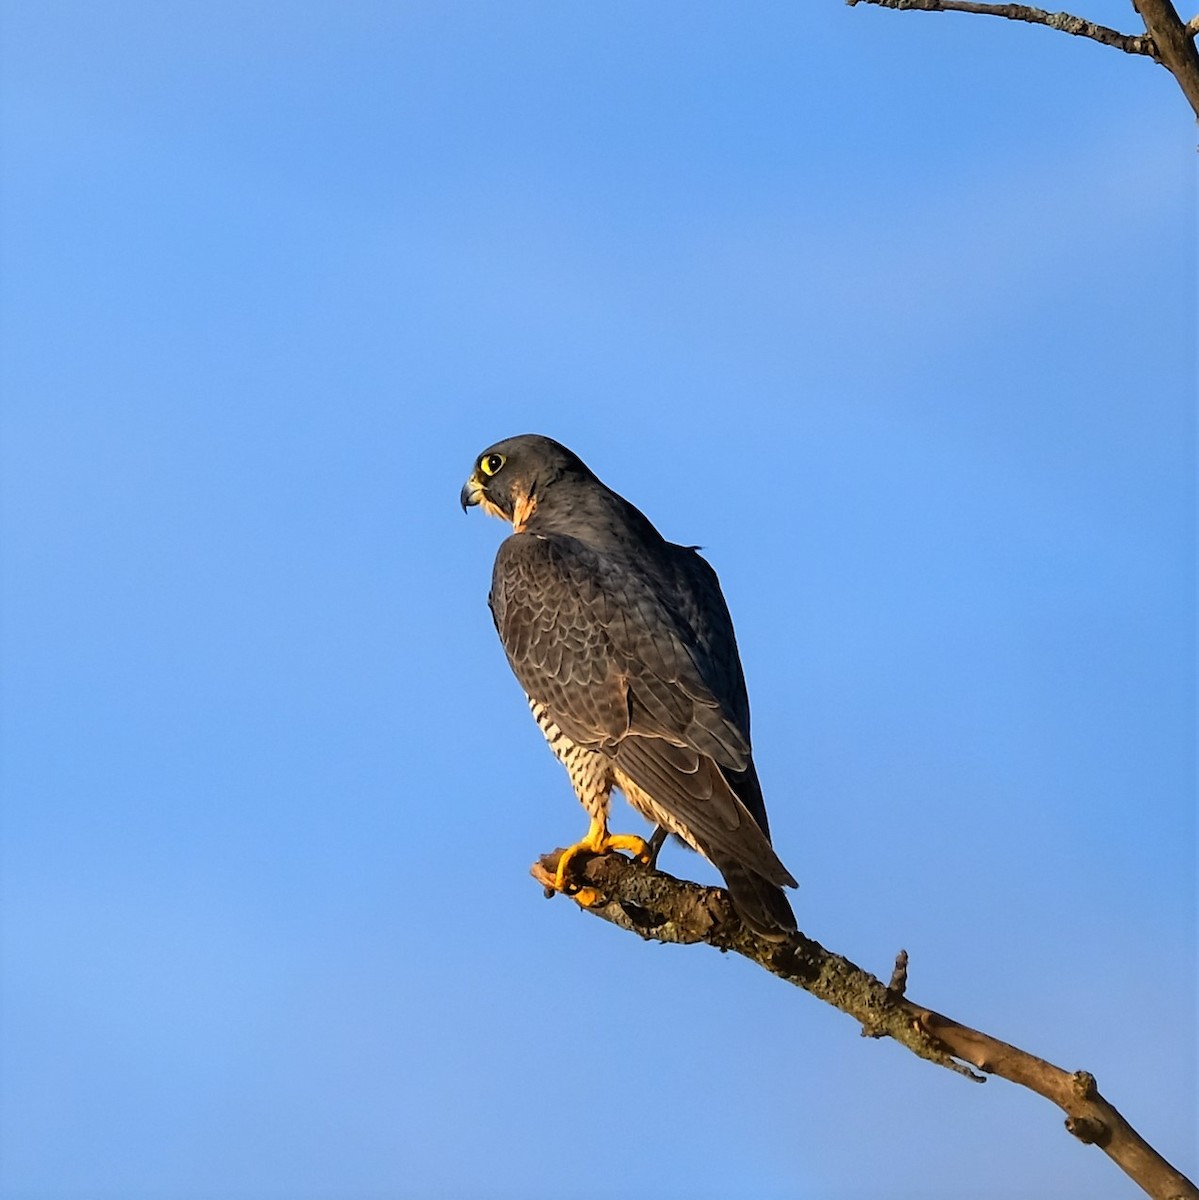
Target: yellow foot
x,y
629,841
598,841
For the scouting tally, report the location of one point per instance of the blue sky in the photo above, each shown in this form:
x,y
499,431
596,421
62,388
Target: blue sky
x,y
893,313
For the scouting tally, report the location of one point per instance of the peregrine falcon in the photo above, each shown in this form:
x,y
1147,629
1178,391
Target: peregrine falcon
x,y
624,646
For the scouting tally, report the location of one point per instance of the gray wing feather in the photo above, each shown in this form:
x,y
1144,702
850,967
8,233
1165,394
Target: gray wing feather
x,y
645,670
702,604
694,788
582,631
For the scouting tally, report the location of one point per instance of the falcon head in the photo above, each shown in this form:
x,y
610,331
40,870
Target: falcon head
x,y
510,477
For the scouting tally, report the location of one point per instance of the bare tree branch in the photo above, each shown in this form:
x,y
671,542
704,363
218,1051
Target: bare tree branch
x,y
1168,41
661,908
1175,46
1129,43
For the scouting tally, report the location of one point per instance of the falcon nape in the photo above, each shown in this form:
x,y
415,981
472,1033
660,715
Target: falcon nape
x,y
624,646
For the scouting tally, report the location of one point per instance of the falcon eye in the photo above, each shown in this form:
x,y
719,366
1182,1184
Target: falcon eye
x,y
491,463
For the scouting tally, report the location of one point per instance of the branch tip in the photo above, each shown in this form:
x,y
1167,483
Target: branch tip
x,y
1062,21
658,907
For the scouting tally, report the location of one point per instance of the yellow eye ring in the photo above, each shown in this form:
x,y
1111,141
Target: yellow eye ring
x,y
489,464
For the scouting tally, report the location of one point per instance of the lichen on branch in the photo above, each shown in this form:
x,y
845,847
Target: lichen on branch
x,y
658,907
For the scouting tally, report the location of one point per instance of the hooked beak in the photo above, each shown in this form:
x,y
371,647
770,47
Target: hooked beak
x,y
471,494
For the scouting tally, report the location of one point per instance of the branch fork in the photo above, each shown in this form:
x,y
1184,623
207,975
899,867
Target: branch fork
x,y
1166,39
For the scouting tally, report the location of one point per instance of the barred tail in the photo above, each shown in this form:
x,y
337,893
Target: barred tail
x,y
762,905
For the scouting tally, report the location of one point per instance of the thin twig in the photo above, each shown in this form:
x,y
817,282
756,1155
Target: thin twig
x,y
658,907
1166,40
1129,43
